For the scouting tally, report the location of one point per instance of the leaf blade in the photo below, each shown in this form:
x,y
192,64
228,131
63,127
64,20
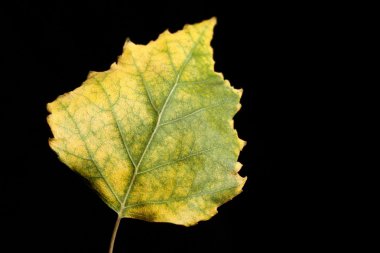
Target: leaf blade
x,y
150,121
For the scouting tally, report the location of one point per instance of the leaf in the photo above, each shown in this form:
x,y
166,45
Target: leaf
x,y
154,134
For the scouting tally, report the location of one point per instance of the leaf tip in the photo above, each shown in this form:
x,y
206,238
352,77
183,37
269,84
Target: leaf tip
x,y
213,21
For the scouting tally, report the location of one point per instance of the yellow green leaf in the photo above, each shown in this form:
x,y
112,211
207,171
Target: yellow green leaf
x,y
154,135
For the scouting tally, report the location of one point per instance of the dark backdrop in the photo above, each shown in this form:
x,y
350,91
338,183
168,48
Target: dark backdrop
x,y
52,46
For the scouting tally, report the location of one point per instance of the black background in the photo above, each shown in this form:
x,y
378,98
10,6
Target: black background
x,y
52,46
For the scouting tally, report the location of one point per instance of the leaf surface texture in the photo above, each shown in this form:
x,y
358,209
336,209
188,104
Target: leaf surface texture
x,y
154,135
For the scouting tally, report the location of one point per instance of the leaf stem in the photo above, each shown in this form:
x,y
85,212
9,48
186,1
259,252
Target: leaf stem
x,y
115,229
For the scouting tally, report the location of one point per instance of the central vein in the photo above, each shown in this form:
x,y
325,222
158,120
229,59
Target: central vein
x,y
158,124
